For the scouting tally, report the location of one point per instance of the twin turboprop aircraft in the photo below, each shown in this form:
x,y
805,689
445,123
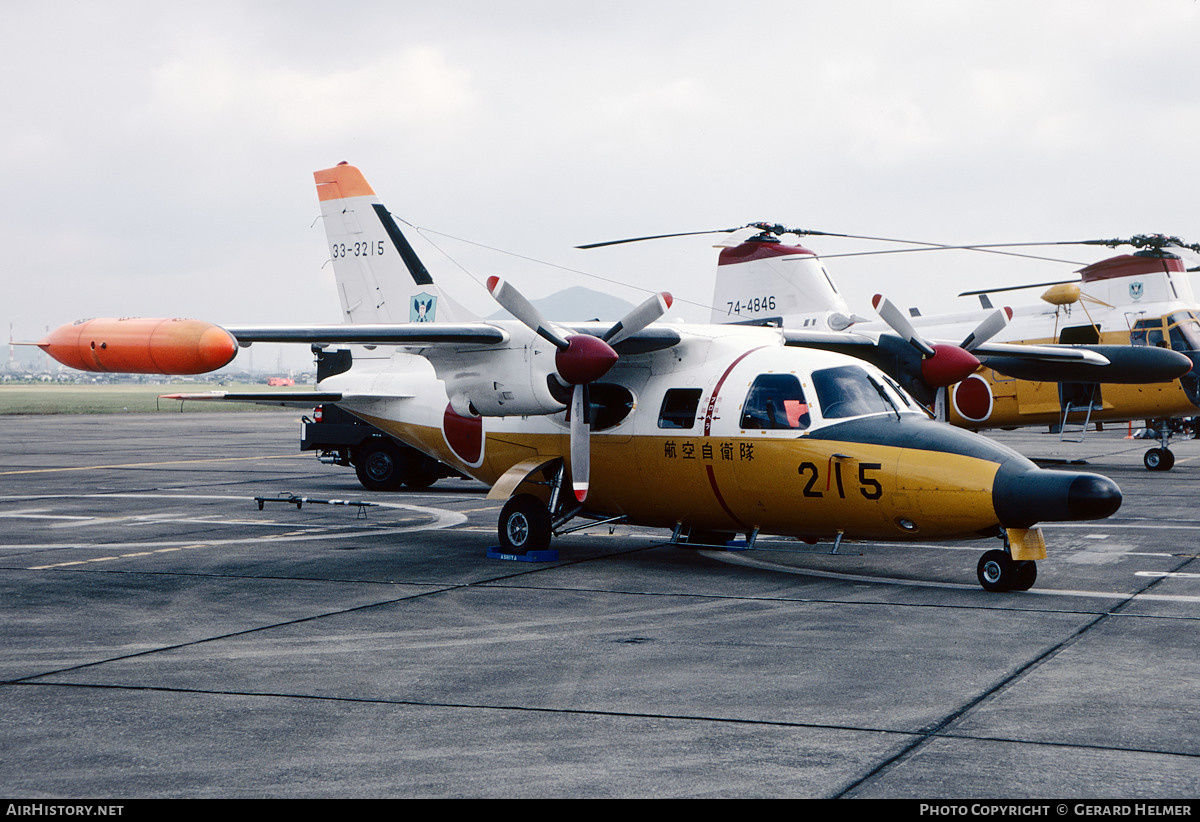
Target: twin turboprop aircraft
x,y
706,430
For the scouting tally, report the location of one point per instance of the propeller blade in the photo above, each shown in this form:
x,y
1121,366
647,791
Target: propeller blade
x,y
515,303
987,329
895,318
581,445
639,318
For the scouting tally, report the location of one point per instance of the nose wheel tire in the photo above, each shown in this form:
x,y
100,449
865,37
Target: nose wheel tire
x,y
998,571
1159,459
524,525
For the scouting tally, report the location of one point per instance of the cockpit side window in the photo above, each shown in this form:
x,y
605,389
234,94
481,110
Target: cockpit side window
x,y
679,408
847,391
776,402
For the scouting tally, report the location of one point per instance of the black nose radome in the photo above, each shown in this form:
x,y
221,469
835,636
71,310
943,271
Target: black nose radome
x,y
1025,498
1092,496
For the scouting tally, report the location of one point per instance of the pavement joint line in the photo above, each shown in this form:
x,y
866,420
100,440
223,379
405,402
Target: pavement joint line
x,y
471,706
936,730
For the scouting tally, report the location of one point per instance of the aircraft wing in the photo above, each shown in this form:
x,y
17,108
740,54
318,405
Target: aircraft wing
x,y
285,399
1079,355
1128,364
413,334
653,338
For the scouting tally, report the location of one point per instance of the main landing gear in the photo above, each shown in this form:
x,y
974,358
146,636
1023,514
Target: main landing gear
x,y
527,524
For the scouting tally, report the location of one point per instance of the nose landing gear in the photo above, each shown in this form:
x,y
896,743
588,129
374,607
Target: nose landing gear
x,y
1013,568
998,571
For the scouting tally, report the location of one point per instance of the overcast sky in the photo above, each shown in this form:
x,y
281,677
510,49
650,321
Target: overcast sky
x,y
160,155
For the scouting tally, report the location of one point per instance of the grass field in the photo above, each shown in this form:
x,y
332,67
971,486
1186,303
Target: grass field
x,y
121,399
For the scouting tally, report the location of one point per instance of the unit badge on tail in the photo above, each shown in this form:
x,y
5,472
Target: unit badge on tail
x,y
422,308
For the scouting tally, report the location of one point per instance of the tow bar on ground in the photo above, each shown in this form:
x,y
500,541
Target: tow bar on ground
x,y
298,501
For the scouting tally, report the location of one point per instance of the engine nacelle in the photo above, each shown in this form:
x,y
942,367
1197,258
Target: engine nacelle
x,y
140,345
512,382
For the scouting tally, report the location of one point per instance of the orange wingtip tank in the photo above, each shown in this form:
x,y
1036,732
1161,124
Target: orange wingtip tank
x,y
140,345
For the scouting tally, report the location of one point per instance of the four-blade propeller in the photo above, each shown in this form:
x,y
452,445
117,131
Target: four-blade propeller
x,y
943,365
581,359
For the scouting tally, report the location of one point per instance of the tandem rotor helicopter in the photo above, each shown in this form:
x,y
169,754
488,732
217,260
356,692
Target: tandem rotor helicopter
x,y
706,430
1117,307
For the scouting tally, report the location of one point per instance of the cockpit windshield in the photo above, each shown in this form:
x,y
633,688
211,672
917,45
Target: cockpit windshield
x,y
847,391
1185,332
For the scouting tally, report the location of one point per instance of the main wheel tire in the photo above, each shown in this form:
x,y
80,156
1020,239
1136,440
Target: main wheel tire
x,y
381,466
524,525
996,571
1159,459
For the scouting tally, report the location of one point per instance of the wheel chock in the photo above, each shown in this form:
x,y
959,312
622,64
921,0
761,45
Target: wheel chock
x,y
550,555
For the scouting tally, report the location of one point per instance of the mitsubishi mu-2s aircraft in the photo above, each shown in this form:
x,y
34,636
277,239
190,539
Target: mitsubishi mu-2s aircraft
x,y
706,430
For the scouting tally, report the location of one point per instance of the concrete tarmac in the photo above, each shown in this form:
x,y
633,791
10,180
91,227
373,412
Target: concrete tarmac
x,y
163,637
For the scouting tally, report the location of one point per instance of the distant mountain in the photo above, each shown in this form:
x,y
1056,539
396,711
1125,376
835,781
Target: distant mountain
x,y
576,304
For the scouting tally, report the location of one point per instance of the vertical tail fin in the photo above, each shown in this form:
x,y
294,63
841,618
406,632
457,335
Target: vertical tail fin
x,y
770,283
380,278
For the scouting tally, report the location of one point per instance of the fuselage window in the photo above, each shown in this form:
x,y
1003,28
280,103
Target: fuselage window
x,y
847,391
679,408
776,401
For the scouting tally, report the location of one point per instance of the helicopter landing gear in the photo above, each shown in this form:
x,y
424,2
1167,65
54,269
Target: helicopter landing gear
x,y
1161,458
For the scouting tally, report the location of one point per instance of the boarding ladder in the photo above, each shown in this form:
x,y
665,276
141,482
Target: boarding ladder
x,y
1074,431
